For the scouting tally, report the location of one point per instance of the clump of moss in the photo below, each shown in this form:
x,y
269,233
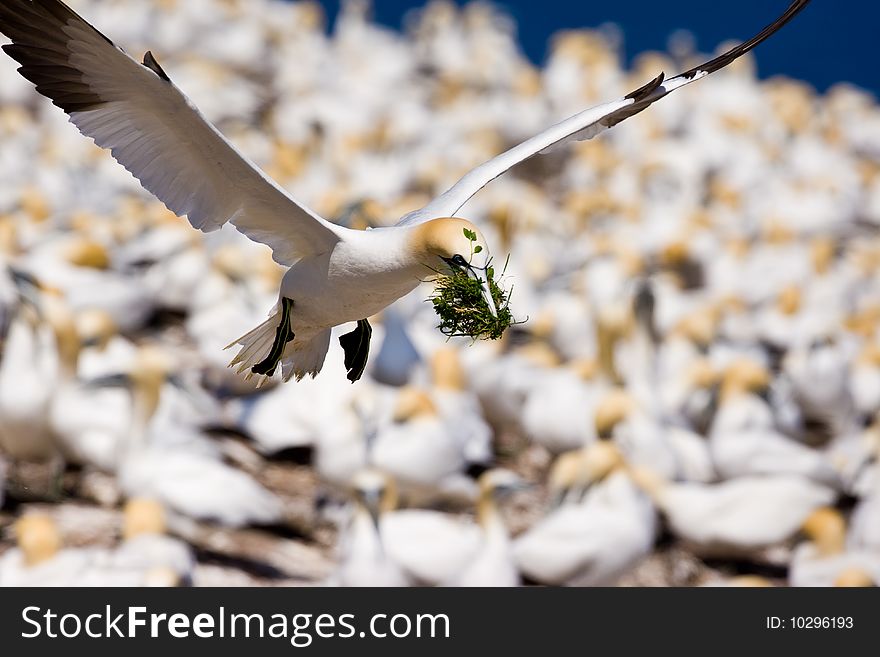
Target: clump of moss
x,y
459,303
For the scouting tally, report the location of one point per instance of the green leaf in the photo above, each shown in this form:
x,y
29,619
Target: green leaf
x,y
471,235
478,248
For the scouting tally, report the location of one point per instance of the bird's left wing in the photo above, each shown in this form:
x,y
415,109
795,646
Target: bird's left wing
x,y
154,131
586,125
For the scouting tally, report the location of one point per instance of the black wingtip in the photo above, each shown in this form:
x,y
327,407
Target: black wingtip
x,y
734,53
151,63
643,91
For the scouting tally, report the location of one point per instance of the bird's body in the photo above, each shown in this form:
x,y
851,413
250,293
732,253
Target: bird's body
x,y
739,516
593,542
365,272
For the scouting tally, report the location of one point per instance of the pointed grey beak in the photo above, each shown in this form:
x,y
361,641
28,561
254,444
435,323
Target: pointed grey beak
x,y
109,381
371,500
27,286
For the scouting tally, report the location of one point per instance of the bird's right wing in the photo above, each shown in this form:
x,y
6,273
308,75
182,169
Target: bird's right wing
x,y
586,125
154,131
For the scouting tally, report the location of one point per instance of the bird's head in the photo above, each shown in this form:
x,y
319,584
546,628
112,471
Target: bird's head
x,y
38,538
447,372
615,407
96,328
826,527
375,492
452,245
143,516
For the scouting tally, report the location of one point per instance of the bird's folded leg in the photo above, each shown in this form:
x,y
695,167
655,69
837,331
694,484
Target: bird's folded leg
x,y
283,335
357,349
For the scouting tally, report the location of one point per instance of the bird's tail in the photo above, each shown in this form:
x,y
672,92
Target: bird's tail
x,y
299,358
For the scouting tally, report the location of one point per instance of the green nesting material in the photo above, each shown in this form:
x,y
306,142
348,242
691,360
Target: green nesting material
x,y
459,303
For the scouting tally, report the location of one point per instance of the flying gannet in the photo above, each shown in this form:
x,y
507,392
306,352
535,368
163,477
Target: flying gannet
x,y
336,274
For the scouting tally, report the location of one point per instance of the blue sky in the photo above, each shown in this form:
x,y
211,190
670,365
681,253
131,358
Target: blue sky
x,y
827,43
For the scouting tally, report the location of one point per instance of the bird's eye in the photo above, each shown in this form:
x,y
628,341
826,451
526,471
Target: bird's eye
x,y
459,260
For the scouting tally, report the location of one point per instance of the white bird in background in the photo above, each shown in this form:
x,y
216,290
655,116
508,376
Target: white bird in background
x,y
824,560
172,463
738,516
363,559
443,549
594,541
336,275
38,559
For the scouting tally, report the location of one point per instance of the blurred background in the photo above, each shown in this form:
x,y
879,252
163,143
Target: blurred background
x,y
690,400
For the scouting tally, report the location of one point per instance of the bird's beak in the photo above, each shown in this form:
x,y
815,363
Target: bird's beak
x,y
479,274
482,276
372,502
109,381
509,489
27,286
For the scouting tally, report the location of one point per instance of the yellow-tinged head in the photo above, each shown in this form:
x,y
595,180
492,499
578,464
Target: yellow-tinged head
x,y
150,371
789,300
95,327
413,403
650,481
448,237
699,327
38,538
823,251
745,376
61,319
854,577
750,581
586,368
703,374
88,253
375,492
449,244
565,474
581,468
447,372
143,516
613,409
826,527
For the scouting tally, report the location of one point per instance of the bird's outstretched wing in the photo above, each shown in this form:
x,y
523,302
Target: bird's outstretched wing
x,y
585,125
154,131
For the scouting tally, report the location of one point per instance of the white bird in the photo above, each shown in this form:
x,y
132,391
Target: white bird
x,y
146,547
593,542
460,406
824,560
364,559
735,517
171,463
30,362
557,413
864,527
336,275
442,549
760,450
421,450
38,559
